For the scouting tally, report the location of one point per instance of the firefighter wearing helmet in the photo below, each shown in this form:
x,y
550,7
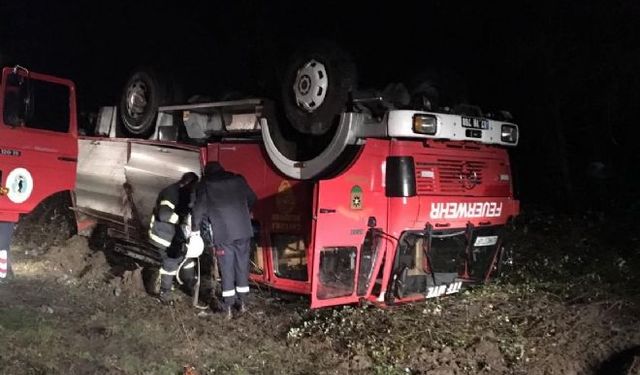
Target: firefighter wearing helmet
x,y
166,234
223,202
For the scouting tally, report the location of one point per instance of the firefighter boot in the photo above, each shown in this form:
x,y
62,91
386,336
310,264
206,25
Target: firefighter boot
x,y
227,307
242,303
228,314
188,275
243,308
166,295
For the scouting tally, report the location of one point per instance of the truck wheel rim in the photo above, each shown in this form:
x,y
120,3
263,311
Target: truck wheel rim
x,y
137,99
310,86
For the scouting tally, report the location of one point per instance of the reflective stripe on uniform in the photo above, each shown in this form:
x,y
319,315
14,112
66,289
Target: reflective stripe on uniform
x,y
189,265
242,289
174,218
168,203
158,239
165,272
228,293
3,264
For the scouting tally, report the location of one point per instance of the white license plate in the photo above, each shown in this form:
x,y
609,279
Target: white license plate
x,y
477,123
440,290
486,240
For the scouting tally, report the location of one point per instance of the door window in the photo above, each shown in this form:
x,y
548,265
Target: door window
x,y
337,272
36,104
289,256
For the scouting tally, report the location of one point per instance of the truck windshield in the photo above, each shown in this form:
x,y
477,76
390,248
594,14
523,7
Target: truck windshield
x,y
36,104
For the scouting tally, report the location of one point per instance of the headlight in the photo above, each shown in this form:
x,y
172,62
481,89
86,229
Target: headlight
x,y
509,133
425,124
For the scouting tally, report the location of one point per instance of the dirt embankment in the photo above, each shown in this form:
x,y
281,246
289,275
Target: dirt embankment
x,y
568,304
74,262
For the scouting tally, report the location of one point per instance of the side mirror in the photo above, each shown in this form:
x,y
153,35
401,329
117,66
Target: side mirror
x,y
14,79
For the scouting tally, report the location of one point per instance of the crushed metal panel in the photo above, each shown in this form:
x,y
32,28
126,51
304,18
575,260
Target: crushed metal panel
x,y
151,168
101,175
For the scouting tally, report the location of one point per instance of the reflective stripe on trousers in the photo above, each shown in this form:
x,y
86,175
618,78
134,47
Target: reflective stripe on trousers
x,y
6,233
4,263
228,293
233,261
167,272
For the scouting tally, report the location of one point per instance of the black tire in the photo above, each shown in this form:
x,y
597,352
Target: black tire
x,y
50,223
322,111
152,90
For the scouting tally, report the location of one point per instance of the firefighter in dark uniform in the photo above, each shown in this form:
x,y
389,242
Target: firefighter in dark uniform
x,y
165,232
224,200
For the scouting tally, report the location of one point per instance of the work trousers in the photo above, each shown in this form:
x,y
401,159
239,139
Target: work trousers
x,y
6,234
171,260
233,261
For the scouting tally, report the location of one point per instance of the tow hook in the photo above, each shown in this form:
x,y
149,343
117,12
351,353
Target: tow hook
x,y
4,190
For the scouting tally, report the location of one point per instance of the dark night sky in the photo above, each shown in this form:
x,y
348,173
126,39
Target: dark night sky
x,y
555,64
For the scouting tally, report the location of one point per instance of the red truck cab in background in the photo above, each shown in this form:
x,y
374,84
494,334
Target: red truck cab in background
x,y
38,140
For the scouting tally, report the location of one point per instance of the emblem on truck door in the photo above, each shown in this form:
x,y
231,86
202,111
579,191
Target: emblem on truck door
x,y
356,197
20,185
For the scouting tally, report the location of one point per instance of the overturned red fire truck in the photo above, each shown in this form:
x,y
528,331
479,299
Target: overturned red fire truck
x,y
361,198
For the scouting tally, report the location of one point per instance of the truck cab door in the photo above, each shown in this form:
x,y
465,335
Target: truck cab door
x,y
38,140
335,254
346,248
350,211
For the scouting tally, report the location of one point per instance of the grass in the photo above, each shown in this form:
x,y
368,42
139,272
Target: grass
x,y
19,325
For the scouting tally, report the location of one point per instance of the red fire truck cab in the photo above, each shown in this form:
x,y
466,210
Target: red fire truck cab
x,y
38,140
410,216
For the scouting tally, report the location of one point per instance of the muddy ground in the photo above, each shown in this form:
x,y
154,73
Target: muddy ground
x,y
567,304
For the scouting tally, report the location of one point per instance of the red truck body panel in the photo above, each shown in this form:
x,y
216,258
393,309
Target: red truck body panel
x,y
325,222
45,159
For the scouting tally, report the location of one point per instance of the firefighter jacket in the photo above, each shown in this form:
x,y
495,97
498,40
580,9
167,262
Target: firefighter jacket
x,y
224,200
170,208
